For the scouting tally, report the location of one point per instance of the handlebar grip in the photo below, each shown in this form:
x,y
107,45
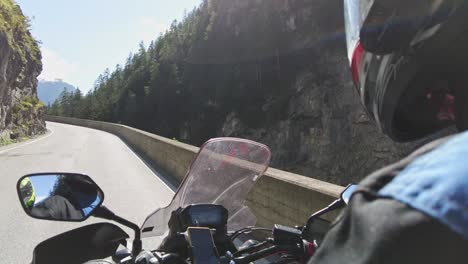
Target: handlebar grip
x,y
159,258
146,257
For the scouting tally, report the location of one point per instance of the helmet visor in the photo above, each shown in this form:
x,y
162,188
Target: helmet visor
x,y
356,12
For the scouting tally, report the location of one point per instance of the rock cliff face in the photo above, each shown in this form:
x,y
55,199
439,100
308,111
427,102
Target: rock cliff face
x,y
21,113
313,120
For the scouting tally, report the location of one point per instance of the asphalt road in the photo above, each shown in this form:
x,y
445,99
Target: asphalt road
x,y
131,189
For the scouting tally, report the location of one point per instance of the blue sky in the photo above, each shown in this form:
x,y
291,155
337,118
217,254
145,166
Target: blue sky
x,y
81,38
43,185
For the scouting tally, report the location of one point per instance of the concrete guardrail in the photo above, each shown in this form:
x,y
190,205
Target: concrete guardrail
x,y
279,197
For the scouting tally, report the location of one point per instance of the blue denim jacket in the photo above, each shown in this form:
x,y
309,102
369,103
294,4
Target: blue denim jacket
x,y
437,184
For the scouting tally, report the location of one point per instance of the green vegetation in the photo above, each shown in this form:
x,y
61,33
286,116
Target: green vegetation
x,y
148,87
22,118
15,27
214,62
19,51
28,103
5,139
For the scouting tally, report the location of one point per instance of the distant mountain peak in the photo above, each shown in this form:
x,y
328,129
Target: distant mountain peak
x,y
48,91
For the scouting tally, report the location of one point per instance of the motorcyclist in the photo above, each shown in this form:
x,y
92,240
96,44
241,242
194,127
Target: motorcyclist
x,y
57,207
408,60
27,192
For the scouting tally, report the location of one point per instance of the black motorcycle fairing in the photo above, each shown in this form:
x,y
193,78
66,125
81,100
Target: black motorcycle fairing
x,y
96,241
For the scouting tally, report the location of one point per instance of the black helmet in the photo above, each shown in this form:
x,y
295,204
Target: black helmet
x,y
409,63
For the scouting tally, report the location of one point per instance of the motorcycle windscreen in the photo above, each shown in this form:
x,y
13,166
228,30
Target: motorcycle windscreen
x,y
355,12
223,173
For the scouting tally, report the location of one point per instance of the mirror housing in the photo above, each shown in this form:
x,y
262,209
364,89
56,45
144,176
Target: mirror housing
x,y
348,192
59,196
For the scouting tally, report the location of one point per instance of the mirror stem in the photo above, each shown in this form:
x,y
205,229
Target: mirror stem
x,y
104,212
338,203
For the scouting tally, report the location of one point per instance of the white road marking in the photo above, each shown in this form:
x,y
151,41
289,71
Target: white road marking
x,y
150,170
134,154
29,142
166,184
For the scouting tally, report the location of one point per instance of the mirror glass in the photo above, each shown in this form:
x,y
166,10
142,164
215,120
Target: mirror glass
x,y
346,194
59,196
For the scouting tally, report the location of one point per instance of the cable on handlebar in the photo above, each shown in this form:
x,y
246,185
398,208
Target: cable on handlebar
x,y
263,253
248,230
252,248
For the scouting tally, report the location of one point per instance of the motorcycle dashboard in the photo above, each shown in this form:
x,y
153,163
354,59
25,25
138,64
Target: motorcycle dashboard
x,y
204,215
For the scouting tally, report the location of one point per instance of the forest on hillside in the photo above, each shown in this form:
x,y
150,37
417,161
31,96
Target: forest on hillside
x,y
188,80
150,78
274,71
154,89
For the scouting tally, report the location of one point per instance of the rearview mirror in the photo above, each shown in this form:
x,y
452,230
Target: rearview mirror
x,y
348,192
59,196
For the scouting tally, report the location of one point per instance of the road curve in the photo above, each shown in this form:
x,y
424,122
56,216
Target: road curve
x,y
131,188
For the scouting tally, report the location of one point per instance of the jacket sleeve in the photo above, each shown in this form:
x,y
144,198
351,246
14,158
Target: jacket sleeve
x,y
376,230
